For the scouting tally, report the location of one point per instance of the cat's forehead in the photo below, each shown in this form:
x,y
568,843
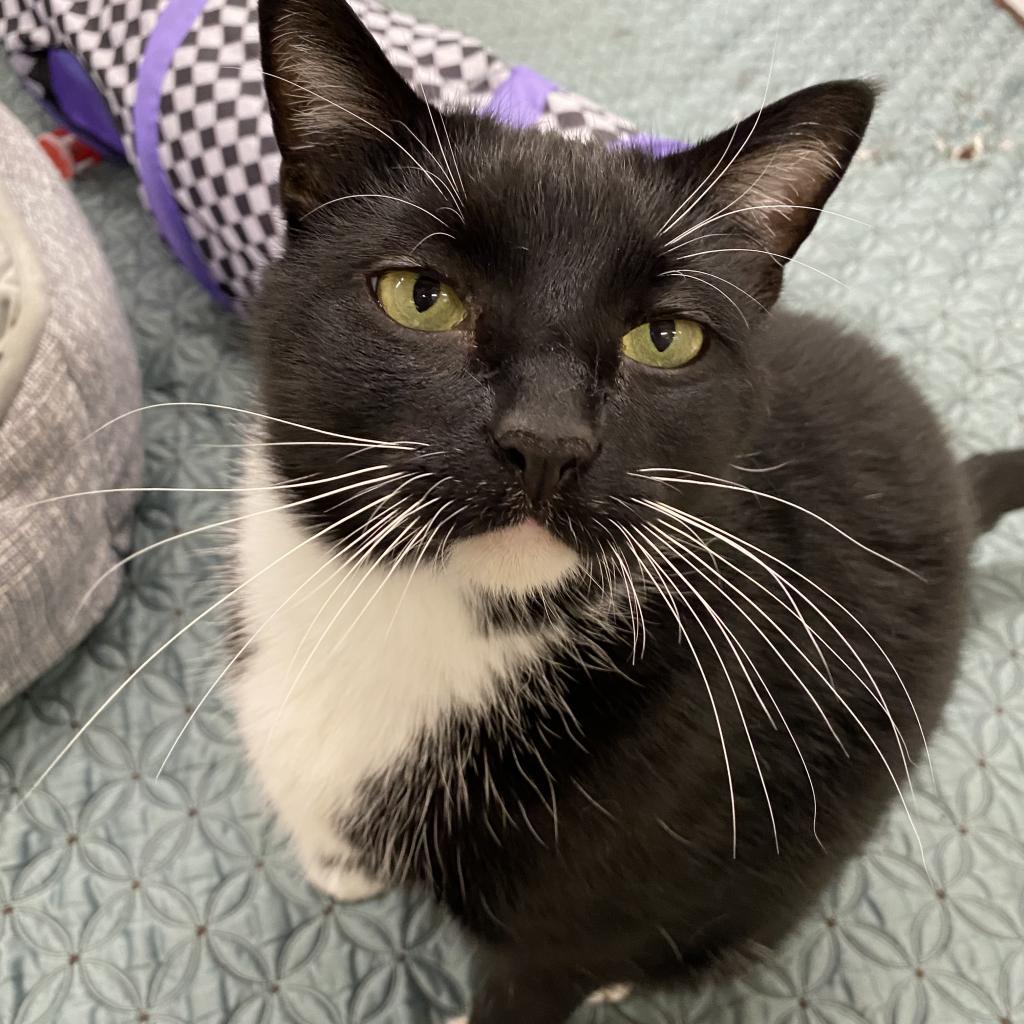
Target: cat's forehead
x,y
547,173
554,195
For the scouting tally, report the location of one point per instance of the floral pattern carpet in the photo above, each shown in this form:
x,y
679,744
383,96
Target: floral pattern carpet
x,y
127,898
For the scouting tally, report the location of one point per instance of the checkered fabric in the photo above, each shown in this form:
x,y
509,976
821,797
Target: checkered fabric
x,y
106,35
216,136
577,117
216,144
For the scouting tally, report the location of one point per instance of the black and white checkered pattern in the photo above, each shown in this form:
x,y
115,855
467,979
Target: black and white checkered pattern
x,y
217,144
577,117
441,64
106,35
216,138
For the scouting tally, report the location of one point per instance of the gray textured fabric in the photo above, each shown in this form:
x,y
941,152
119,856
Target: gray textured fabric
x,y
77,369
23,302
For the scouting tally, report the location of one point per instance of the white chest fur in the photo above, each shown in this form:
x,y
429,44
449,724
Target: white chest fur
x,y
348,668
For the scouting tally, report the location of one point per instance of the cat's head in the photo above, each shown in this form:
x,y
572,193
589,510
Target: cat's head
x,y
540,318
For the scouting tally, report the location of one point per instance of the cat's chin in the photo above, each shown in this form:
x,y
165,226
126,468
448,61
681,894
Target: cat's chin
x,y
521,559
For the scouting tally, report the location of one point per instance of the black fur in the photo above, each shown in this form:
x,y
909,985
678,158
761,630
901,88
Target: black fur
x,y
997,479
588,836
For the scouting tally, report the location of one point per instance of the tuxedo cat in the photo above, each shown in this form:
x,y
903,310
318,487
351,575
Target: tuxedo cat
x,y
587,588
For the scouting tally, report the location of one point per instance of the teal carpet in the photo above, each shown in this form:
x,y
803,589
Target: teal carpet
x,y
126,899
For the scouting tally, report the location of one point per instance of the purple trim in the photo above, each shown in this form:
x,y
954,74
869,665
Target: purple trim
x,y
61,118
520,100
170,31
654,144
82,106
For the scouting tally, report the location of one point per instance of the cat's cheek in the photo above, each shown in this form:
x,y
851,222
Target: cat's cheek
x,y
519,559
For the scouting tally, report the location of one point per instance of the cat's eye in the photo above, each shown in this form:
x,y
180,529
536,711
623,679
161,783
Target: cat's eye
x,y
419,299
665,344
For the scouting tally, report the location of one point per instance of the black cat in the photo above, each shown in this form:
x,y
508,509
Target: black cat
x,y
604,599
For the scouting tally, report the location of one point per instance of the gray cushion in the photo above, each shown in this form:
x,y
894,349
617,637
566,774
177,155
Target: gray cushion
x,y
67,365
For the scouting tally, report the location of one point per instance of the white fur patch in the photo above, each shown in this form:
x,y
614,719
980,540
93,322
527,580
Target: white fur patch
x,y
516,560
351,666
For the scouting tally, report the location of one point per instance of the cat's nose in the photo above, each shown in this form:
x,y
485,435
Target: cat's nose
x,y
545,462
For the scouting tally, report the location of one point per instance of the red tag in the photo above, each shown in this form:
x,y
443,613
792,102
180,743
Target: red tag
x,y
69,154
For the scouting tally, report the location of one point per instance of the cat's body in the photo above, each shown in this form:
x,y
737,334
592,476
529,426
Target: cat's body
x,y
365,768
605,655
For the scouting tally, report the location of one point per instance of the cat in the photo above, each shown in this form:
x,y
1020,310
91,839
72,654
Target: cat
x,y
585,587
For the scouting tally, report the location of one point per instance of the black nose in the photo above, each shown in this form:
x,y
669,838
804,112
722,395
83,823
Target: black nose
x,y
545,462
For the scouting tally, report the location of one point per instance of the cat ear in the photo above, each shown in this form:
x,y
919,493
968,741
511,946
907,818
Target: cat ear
x,y
335,99
780,166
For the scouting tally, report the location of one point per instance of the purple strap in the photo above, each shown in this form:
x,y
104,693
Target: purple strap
x,y
520,101
658,145
522,98
174,24
81,105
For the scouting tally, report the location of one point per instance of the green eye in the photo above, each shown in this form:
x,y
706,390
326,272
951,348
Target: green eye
x,y
419,299
665,344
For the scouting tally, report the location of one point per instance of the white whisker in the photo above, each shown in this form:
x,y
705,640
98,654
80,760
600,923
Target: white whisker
x,y
696,560
704,189
388,527
358,447
120,688
717,277
238,654
714,707
727,297
426,238
752,186
374,195
633,598
762,469
424,547
444,155
765,252
370,442
740,546
361,488
451,152
437,182
679,212
732,485
672,242
727,634
748,549
705,480
785,724
287,486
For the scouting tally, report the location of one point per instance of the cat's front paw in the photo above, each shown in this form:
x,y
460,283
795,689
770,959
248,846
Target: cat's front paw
x,y
610,994
342,881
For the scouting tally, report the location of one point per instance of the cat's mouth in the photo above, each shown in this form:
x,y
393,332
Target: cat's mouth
x,y
522,558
